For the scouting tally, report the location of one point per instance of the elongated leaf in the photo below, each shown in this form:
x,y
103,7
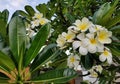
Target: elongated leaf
x,y
115,51
45,56
17,36
114,21
30,10
37,43
20,12
6,61
87,61
42,8
56,76
98,15
3,21
5,15
116,28
108,15
103,15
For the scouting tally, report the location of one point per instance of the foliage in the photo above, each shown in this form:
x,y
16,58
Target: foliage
x,y
16,62
23,57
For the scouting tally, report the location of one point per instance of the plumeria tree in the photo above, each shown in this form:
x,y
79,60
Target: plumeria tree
x,y
48,45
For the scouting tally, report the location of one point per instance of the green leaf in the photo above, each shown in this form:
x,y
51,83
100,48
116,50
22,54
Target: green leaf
x,y
42,8
108,15
115,51
37,43
5,15
6,61
87,61
98,15
45,55
30,10
20,12
3,21
62,65
114,21
17,36
56,76
115,28
103,15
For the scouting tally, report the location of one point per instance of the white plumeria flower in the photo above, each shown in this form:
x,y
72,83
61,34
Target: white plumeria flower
x,y
81,36
103,36
73,29
43,21
31,33
38,15
95,69
95,28
80,44
106,55
34,23
99,68
83,25
73,61
93,73
69,36
82,49
61,41
92,44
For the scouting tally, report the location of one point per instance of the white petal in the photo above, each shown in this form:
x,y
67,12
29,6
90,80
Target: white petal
x,y
85,20
77,57
71,27
85,42
79,68
109,33
109,60
64,34
108,40
76,44
76,63
90,35
70,65
77,22
81,36
100,47
92,49
102,58
83,51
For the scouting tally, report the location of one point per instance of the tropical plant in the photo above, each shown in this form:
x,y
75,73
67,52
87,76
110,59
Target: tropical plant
x,y
27,46
21,61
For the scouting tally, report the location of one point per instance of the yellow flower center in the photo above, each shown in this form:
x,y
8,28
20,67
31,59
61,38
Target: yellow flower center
x,y
68,37
39,16
94,74
72,59
106,53
42,22
83,26
102,35
93,41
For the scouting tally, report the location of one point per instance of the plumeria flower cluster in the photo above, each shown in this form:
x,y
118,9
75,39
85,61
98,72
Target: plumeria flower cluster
x,y
95,70
87,37
37,20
